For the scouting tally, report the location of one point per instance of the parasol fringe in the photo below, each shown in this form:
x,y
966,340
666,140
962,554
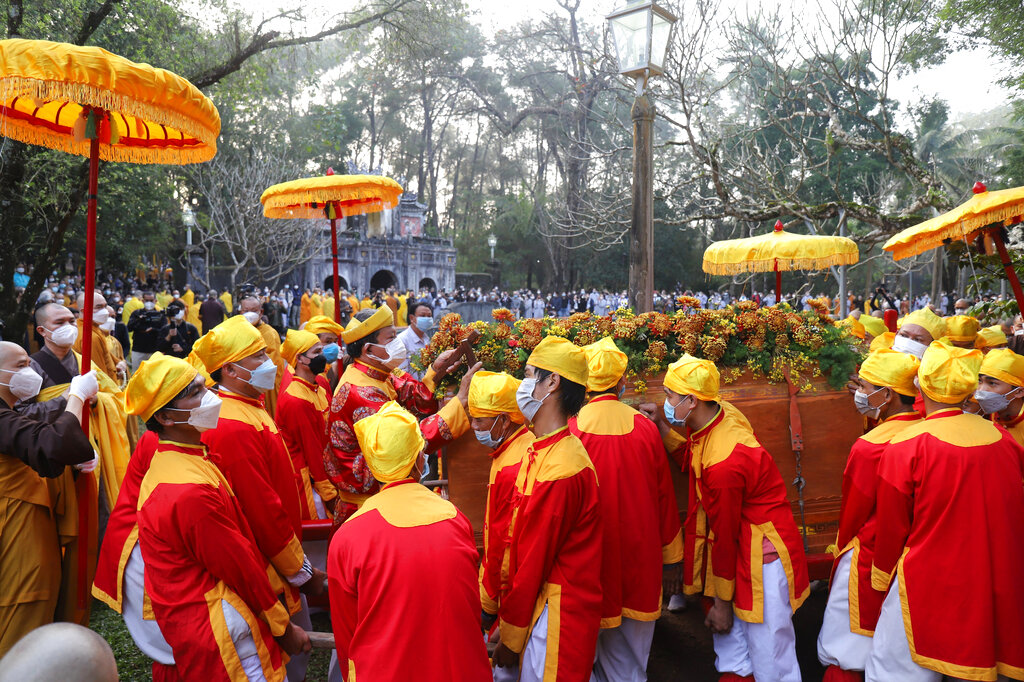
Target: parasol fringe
x,y
330,194
90,95
308,212
784,264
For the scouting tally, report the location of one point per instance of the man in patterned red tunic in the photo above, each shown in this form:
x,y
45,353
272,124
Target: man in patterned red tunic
x,y
369,382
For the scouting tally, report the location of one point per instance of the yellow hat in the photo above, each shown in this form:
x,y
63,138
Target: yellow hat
x,y
561,356
494,393
390,441
1005,365
155,383
873,325
990,337
925,318
230,341
296,342
949,374
962,328
356,330
605,364
884,340
886,367
321,324
692,376
197,363
856,328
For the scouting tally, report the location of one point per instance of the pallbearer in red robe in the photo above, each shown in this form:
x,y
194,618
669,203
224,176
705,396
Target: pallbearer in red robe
x,y
302,419
950,513
248,448
742,547
1001,390
366,385
551,614
885,394
497,424
642,538
206,581
329,333
402,571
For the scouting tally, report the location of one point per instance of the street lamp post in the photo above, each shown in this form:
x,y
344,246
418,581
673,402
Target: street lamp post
x,y
492,241
641,32
189,218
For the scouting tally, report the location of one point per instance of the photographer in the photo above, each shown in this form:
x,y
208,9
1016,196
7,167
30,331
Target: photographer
x,y
145,325
177,335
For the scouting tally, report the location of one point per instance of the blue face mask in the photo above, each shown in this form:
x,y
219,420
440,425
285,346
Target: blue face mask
x,y
424,323
622,391
487,439
331,352
670,414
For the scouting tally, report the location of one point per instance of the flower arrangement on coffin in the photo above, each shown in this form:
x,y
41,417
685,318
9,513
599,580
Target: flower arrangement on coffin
x,y
742,337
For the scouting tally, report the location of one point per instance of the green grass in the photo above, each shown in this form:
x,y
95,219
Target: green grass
x,y
134,666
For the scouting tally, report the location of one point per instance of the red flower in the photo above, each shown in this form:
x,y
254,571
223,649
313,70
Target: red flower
x,y
513,343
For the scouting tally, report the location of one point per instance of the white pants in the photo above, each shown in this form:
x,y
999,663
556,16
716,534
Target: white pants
x,y
622,652
837,645
765,650
146,633
534,655
245,646
297,664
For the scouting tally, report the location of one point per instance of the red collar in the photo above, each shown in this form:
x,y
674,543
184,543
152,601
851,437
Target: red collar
x,y
604,397
371,372
945,412
226,394
312,387
551,438
1011,422
706,429
902,417
184,448
508,441
395,484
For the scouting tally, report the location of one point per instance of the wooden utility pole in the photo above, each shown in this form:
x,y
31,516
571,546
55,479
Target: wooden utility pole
x,y
641,231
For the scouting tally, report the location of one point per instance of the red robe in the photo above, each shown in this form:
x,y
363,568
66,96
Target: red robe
x,y
122,528
738,502
639,513
302,418
555,556
198,550
501,487
950,514
388,623
248,448
361,392
857,519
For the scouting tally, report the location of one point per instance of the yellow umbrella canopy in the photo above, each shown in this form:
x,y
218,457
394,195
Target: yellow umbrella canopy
x,y
342,195
61,96
778,251
962,223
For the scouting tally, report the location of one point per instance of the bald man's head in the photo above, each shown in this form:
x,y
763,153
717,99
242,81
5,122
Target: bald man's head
x,y
250,304
59,651
53,315
12,356
97,301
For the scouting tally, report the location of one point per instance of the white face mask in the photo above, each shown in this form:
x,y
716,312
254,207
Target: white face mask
x,y
251,317
860,401
904,344
108,326
100,316
149,305
529,405
264,377
64,335
180,315
397,353
204,417
25,382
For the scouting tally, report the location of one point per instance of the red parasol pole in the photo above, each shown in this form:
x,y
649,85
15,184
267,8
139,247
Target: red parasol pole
x,y
334,255
83,484
1011,274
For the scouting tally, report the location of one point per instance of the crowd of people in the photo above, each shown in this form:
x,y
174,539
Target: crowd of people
x,y
218,425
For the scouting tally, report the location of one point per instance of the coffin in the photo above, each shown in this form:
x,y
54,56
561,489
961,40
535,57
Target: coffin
x,y
830,425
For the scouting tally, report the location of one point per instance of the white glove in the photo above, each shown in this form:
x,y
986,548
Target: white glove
x,y
86,467
84,386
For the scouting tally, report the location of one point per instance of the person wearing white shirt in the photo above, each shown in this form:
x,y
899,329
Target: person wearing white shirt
x,y
416,336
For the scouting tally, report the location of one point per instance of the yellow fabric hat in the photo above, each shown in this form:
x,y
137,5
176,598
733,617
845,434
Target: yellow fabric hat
x,y
924,317
856,328
155,383
390,441
561,356
494,393
605,364
873,325
230,341
197,363
692,376
884,340
949,374
886,367
356,330
962,328
1005,365
990,337
297,341
321,324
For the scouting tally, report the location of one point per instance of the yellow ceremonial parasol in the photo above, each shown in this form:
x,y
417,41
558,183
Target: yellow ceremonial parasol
x,y
778,251
984,212
87,101
331,196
